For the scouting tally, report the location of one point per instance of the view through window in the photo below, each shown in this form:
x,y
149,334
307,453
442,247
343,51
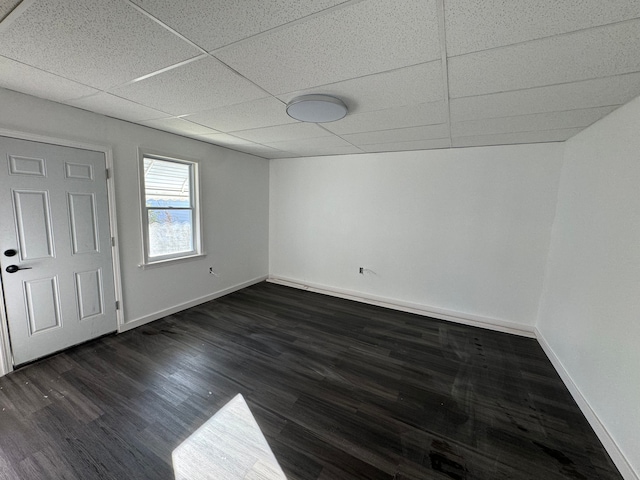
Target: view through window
x,y
170,208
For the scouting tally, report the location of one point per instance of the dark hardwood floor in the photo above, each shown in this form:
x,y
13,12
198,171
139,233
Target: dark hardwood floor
x,y
341,390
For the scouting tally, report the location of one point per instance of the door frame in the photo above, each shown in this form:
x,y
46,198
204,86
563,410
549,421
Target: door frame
x,y
6,357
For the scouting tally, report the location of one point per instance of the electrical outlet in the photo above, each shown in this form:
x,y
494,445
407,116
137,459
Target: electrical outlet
x,y
361,270
211,272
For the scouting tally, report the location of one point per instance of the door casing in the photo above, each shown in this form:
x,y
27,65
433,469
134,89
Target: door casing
x,y
6,359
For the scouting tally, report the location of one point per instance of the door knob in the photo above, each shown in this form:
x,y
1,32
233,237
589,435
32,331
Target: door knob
x,y
15,268
10,253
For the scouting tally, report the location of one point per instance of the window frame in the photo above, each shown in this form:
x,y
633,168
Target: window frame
x,y
194,170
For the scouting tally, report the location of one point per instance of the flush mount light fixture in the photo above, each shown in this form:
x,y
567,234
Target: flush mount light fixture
x,y
316,108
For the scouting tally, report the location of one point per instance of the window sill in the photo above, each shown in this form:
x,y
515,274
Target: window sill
x,y
171,261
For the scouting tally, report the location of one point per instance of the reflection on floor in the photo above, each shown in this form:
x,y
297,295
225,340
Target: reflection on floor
x,y
229,446
341,390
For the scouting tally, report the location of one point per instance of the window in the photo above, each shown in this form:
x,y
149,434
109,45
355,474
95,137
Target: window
x,y
170,208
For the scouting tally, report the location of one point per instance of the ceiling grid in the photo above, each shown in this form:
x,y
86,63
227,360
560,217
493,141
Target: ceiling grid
x,y
414,74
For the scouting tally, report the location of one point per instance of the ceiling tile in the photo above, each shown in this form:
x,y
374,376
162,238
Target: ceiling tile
x,y
401,117
193,87
264,112
398,135
514,138
361,39
529,123
279,154
233,20
254,149
404,146
6,6
26,79
309,151
224,139
406,86
614,90
116,107
96,42
316,146
281,133
179,126
593,53
322,142
474,26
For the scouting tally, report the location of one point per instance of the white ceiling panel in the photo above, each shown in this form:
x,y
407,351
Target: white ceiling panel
x,y
30,80
279,154
401,117
224,139
411,134
404,146
324,150
233,20
530,123
316,146
406,86
116,107
179,126
99,43
307,143
598,52
514,138
282,133
259,113
193,87
258,150
474,26
6,6
364,38
598,92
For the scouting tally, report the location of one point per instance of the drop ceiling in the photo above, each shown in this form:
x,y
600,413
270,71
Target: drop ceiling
x,y
415,74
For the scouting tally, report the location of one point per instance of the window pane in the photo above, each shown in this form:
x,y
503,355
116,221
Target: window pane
x,y
170,231
167,184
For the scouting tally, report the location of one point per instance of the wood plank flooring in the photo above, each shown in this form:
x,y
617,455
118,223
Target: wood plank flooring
x,y
341,390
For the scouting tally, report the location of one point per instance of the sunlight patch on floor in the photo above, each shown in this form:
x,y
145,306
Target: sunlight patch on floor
x,y
228,446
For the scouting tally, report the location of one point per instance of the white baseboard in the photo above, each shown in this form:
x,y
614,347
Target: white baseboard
x,y
183,306
434,312
610,445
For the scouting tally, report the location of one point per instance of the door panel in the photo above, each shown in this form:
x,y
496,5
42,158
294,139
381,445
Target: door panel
x,y
54,212
32,213
89,293
43,304
26,166
78,171
84,226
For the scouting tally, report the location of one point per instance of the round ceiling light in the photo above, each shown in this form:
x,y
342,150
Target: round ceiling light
x,y
316,108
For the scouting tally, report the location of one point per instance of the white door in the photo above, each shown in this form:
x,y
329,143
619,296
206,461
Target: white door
x,y
55,247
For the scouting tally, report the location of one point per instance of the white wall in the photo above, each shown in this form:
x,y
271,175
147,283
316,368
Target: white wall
x,y
234,195
590,308
460,231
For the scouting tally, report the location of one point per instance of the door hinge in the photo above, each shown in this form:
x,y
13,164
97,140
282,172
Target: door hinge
x,y
117,304
113,241
108,173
